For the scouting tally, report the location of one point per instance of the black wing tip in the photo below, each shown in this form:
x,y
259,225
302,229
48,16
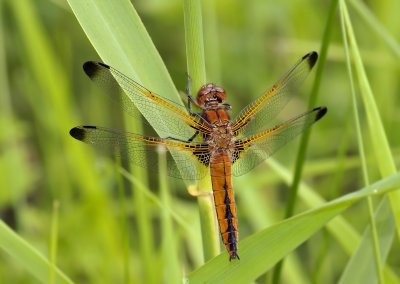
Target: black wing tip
x,y
312,58
321,111
92,67
79,132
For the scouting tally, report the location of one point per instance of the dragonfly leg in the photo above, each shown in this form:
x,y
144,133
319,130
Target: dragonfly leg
x,y
193,100
194,136
181,140
189,80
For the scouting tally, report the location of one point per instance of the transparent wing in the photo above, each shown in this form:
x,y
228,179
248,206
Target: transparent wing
x,y
192,158
252,150
168,118
256,116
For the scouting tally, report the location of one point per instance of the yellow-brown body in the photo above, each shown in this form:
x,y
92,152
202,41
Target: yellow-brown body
x,y
221,145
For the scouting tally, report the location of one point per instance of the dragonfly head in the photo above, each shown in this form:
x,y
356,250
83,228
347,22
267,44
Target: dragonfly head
x,y
210,93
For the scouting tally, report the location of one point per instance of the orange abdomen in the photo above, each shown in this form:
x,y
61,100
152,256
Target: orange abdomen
x,y
224,200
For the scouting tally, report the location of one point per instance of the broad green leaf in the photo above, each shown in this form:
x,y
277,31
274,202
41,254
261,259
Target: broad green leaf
x,y
119,37
259,252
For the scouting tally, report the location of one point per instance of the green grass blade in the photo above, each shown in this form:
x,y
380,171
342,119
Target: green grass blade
x,y
372,21
171,266
341,230
360,268
312,101
209,227
53,241
263,250
147,247
301,155
373,228
28,257
194,43
153,198
378,136
196,69
123,222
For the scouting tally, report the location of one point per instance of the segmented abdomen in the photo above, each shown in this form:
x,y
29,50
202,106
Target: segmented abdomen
x,y
224,200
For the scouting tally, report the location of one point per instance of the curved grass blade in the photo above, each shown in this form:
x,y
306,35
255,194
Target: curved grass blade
x,y
28,257
192,12
361,266
261,251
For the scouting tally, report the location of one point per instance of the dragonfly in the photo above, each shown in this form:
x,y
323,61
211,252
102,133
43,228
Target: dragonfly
x,y
206,142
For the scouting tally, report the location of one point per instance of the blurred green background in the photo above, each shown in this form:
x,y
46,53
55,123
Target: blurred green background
x,y
249,45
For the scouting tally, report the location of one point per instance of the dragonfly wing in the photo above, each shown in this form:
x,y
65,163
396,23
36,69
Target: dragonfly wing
x,y
168,118
251,151
254,117
144,151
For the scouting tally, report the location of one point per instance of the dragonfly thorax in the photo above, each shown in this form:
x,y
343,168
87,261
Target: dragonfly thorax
x,y
221,138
